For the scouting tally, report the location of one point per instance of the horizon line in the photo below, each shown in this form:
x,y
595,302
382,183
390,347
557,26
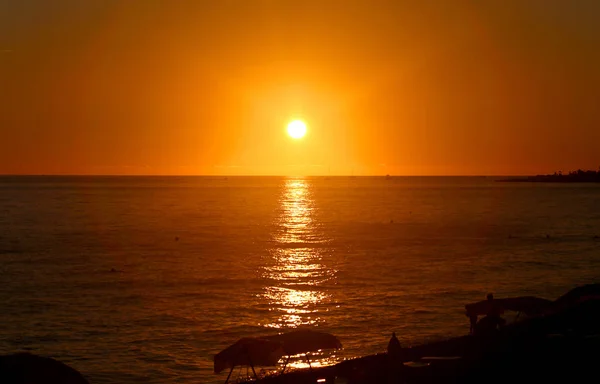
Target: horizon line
x,y
229,175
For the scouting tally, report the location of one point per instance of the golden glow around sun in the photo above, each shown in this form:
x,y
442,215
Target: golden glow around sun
x,y
296,129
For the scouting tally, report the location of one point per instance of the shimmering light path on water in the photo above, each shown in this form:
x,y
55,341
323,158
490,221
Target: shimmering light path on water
x,y
298,271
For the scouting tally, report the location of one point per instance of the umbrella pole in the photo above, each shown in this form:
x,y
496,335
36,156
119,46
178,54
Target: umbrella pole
x,y
228,376
307,359
251,365
286,363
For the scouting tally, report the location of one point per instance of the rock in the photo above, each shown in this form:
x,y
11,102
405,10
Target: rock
x,y
26,368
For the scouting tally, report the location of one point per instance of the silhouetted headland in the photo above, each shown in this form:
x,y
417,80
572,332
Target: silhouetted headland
x,y
579,176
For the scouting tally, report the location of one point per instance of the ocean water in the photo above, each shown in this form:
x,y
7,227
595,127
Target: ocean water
x,y
200,262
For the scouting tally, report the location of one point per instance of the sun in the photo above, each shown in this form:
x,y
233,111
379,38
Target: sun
x,y
296,129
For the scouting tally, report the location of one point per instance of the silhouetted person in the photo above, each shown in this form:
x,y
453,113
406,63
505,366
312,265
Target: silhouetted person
x,y
492,321
494,310
395,366
394,348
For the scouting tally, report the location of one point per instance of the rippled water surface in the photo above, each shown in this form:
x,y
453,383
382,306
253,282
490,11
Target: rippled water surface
x,y
145,279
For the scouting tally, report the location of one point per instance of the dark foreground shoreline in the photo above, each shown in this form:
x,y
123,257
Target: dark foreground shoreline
x,y
553,359
559,344
560,347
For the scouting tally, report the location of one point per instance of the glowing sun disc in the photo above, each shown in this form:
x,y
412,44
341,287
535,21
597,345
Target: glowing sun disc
x,y
296,129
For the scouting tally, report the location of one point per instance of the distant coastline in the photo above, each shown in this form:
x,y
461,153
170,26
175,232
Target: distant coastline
x,y
579,176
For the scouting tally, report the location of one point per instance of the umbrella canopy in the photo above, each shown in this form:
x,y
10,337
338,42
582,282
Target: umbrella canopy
x,y
578,295
249,351
304,341
529,305
28,368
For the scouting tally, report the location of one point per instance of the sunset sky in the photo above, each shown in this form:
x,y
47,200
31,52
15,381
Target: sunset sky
x,y
384,87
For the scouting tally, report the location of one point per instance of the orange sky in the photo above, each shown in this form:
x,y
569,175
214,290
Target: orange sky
x,y
385,87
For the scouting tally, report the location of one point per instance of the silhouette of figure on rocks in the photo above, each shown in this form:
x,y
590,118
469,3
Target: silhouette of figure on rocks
x,y
492,321
394,349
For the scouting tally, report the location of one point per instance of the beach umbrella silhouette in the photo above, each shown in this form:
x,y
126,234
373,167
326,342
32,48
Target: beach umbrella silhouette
x,y
248,351
32,369
305,341
577,295
529,305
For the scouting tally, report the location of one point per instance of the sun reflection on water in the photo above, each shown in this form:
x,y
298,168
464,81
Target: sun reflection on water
x,y
296,269
296,222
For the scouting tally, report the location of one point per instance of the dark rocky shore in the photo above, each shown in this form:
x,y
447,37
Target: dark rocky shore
x,y
560,347
26,368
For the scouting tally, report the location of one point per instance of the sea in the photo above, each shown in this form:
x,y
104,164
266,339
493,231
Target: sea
x,y
145,279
